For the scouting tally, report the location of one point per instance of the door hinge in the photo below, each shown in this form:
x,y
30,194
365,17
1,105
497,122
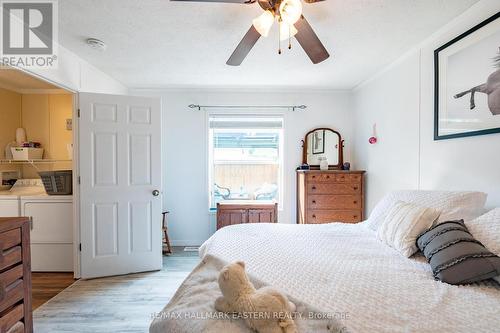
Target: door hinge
x,y
78,113
80,247
79,180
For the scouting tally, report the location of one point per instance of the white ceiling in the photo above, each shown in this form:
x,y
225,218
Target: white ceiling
x,y
159,43
15,80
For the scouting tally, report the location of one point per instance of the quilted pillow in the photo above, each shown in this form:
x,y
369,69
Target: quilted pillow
x,y
452,205
486,229
455,256
403,224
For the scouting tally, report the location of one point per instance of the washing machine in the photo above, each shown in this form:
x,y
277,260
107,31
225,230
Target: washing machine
x,y
10,205
52,230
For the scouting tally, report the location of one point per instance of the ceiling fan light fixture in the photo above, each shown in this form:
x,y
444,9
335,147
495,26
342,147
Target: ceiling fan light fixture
x,y
263,23
290,11
287,31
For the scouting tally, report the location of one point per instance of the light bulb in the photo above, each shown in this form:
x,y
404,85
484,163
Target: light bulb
x,y
287,30
263,23
290,11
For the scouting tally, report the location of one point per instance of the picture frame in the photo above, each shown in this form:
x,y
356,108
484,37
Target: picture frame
x,y
318,143
467,83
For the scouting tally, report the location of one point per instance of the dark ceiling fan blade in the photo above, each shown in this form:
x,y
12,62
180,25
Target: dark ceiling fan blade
x,y
245,2
310,42
244,47
313,1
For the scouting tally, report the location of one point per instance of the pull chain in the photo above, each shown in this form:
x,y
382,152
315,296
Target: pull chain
x,y
279,35
289,38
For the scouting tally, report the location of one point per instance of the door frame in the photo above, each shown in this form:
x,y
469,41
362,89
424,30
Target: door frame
x,y
75,166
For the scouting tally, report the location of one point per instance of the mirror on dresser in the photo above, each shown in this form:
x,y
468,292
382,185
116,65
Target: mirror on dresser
x,y
323,143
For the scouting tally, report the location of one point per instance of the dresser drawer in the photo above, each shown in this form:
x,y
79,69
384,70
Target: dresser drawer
x,y
9,277
349,178
327,216
344,202
12,294
333,188
10,321
10,239
321,177
10,257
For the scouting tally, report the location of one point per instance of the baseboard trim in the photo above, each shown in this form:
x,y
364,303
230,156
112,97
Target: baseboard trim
x,y
186,242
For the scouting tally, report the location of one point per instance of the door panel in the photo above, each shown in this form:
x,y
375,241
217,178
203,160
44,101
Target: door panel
x,y
120,167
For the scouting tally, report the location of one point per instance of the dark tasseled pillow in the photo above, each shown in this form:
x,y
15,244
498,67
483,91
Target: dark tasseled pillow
x,y
455,256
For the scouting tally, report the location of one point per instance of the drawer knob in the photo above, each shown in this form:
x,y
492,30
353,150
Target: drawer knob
x,y
355,188
314,201
314,176
314,216
314,187
328,176
355,202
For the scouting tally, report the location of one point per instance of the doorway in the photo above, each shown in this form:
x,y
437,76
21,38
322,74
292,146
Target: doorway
x,y
37,175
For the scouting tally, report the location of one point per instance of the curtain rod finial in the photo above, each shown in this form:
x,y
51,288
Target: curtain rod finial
x,y
193,106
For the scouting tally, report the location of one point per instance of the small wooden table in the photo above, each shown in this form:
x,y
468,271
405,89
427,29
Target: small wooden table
x,y
231,212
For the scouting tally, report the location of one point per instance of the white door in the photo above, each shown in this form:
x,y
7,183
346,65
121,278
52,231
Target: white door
x,y
120,184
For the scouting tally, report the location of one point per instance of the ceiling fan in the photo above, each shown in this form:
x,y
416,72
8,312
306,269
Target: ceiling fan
x,y
292,23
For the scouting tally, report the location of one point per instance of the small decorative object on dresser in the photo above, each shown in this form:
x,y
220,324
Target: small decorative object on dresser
x,y
330,196
15,276
246,211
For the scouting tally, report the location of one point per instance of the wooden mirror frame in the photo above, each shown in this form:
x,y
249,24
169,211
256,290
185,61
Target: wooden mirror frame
x,y
341,150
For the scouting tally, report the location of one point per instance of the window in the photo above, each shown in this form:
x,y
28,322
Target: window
x,y
245,158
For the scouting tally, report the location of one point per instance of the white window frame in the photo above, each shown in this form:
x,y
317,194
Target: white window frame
x,y
255,113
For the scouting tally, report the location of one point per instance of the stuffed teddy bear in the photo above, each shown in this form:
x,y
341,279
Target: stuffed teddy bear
x,y
265,310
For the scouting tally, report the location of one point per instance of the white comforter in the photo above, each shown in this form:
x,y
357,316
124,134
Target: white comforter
x,y
345,270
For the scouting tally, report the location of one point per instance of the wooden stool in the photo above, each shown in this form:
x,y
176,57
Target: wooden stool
x,y
165,239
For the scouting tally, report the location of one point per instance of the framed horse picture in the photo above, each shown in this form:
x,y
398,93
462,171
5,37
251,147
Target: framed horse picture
x,y
467,83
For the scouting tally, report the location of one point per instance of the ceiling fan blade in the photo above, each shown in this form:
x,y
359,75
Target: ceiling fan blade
x,y
313,1
244,47
245,2
310,42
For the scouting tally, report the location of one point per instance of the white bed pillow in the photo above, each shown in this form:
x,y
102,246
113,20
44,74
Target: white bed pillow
x,y
452,205
404,223
486,229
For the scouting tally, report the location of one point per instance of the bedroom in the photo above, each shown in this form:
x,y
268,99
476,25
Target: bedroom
x,y
141,150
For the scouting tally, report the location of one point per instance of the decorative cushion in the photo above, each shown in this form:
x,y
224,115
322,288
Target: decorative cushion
x,y
403,224
486,229
452,205
455,256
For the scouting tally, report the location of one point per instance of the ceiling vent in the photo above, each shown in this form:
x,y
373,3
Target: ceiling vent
x,y
96,44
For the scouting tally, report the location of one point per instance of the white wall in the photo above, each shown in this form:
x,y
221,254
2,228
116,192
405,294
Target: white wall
x,y
185,148
75,74
400,100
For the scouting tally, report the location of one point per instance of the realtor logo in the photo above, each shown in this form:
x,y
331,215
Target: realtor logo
x,y
29,33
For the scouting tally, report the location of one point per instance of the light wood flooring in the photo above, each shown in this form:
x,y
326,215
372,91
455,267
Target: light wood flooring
x,y
115,304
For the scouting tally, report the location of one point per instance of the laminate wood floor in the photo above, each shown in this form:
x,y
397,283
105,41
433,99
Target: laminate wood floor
x,y
115,304
47,285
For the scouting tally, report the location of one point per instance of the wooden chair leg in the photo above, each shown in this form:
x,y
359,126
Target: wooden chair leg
x,y
167,241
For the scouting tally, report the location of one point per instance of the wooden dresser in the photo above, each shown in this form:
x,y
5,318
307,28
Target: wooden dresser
x,y
15,276
330,196
246,211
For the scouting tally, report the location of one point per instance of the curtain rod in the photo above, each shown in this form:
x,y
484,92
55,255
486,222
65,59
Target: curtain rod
x,y
293,107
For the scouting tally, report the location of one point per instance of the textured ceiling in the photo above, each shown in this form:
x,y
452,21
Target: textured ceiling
x,y
158,43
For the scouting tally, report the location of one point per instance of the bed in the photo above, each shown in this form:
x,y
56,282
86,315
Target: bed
x,y
342,269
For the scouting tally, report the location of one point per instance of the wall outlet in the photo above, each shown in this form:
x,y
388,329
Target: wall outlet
x,y
69,124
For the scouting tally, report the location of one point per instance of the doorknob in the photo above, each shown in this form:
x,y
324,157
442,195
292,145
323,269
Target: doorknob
x,y
156,193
